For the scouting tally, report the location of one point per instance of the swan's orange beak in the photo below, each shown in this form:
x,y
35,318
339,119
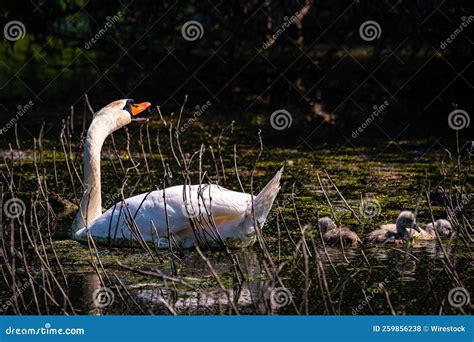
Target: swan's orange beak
x,y
140,107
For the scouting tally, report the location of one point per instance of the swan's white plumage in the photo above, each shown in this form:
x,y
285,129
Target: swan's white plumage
x,y
206,207
186,215
149,213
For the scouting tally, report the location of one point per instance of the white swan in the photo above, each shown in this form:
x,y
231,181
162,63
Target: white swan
x,y
179,215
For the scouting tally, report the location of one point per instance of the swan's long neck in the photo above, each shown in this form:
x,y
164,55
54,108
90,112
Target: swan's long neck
x,y
91,202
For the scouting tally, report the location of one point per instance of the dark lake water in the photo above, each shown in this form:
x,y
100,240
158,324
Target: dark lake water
x,y
286,275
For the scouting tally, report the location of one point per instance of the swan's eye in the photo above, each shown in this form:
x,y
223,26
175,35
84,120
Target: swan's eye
x,y
128,106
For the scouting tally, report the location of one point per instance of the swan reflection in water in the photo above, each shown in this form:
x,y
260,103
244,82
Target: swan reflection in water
x,y
204,296
207,296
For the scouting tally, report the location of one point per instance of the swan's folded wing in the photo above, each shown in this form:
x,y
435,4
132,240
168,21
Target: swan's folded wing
x,y
205,200
151,216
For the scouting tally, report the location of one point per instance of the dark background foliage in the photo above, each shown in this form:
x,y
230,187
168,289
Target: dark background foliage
x,y
319,68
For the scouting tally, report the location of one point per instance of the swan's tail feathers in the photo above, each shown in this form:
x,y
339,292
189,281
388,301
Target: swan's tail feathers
x,y
263,202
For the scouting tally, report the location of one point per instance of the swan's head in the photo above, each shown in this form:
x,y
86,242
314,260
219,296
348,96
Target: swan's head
x,y
119,113
406,220
443,227
326,224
